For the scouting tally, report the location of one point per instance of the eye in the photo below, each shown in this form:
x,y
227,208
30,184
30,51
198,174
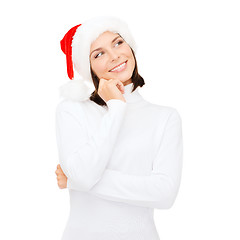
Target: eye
x,y
98,54
119,42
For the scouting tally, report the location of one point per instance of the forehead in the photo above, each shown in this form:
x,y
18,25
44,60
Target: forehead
x,y
104,39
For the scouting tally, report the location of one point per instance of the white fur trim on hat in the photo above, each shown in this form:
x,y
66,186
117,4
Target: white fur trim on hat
x,y
87,33
76,90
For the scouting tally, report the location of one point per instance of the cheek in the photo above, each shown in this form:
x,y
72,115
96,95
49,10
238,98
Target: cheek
x,y
96,66
131,57
99,67
127,50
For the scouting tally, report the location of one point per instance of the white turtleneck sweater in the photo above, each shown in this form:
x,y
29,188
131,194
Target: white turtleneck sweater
x,y
121,162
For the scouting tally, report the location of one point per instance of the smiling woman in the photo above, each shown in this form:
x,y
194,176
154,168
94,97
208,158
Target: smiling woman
x,y
115,175
114,59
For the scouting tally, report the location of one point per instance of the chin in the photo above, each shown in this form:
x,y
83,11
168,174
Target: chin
x,y
122,77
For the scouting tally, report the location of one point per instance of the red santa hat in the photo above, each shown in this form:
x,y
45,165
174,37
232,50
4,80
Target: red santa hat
x,y
76,45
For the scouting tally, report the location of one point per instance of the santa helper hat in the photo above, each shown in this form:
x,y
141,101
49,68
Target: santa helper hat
x,y
76,45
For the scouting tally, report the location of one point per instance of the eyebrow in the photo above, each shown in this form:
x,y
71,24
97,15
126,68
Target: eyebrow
x,y
101,48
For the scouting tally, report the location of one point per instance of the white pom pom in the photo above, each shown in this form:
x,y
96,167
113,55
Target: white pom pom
x,y
76,90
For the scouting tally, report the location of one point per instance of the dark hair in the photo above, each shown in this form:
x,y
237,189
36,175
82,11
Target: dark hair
x,y
137,80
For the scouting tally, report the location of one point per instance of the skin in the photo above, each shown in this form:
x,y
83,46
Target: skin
x,y
108,55
61,177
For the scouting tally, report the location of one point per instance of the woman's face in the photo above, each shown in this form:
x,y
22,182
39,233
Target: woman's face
x,y
112,58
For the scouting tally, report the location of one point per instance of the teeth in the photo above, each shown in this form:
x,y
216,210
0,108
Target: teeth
x,y
118,67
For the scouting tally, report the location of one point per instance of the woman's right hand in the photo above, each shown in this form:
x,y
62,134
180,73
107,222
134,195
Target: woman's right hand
x,y
61,177
111,89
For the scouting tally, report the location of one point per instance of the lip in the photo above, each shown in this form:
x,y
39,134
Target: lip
x,y
117,66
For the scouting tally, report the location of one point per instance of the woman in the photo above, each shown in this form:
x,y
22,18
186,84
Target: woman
x,y
120,155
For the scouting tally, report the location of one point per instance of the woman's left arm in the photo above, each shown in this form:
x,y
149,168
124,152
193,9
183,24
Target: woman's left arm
x,y
160,188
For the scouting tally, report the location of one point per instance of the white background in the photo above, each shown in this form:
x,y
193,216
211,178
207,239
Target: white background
x,y
189,56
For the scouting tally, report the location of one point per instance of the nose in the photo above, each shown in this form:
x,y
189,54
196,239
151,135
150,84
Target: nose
x,y
114,55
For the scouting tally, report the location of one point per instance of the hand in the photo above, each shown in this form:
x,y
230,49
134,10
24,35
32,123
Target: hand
x,y
111,89
61,177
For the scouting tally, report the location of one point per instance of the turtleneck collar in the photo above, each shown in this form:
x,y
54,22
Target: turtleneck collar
x,y
131,97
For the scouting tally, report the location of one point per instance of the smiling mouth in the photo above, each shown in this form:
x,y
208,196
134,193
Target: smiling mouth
x,y
119,67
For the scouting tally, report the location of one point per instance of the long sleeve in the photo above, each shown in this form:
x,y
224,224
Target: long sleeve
x,y
160,188
83,158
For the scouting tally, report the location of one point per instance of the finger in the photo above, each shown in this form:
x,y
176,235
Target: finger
x,y
59,174
60,177
119,84
101,82
59,171
122,88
